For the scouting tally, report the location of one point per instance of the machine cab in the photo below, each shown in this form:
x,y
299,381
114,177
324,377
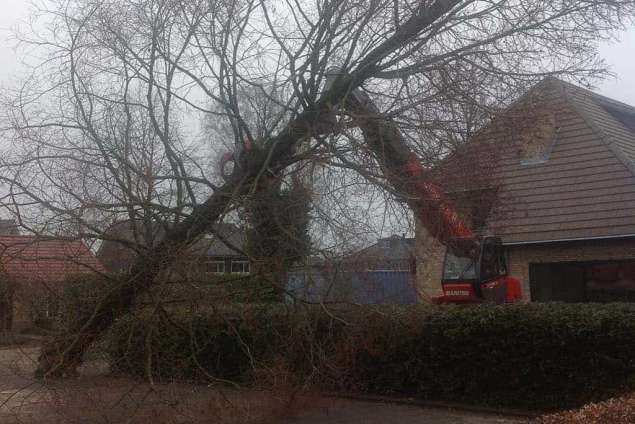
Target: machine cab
x,y
474,270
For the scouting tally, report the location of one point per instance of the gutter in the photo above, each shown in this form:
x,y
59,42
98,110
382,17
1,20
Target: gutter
x,y
520,243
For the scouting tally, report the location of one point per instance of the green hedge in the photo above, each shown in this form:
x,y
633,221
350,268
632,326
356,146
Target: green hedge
x,y
538,356
214,290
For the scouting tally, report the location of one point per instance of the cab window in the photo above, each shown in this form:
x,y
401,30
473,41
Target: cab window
x,y
493,262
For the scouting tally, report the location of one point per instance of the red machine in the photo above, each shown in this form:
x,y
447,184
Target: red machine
x,y
475,271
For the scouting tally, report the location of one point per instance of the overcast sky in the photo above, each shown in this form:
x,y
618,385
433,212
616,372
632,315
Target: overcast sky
x,y
620,56
11,12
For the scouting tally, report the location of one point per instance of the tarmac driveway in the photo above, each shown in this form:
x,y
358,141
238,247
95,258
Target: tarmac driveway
x,y
117,400
346,412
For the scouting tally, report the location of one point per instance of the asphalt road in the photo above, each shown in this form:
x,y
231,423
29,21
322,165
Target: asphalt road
x,y
117,400
346,411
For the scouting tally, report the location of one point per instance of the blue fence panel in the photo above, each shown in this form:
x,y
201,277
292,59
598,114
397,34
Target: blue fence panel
x,y
369,288
310,287
379,287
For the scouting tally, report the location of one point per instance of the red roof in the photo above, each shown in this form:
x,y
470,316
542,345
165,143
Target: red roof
x,y
46,260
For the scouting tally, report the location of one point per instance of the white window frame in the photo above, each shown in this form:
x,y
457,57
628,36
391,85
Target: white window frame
x,y
245,265
217,262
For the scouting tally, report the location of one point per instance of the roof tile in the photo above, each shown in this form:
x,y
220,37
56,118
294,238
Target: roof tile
x,y
47,260
584,187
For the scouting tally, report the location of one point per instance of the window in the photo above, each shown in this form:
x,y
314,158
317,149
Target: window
x,y
215,267
460,261
240,267
493,262
594,281
610,281
537,132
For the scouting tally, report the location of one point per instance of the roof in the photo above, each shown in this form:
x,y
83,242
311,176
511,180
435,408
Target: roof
x,y
577,181
117,254
227,240
46,260
394,252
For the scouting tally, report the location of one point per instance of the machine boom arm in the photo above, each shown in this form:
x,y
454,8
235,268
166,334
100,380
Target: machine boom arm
x,y
404,171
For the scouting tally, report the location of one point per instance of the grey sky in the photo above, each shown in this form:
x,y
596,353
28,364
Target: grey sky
x,y
11,12
620,56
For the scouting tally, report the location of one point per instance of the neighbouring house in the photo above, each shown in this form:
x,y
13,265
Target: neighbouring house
x,y
37,267
220,252
394,253
381,273
561,195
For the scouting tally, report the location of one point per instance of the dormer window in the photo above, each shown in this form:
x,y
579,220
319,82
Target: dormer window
x,y
536,136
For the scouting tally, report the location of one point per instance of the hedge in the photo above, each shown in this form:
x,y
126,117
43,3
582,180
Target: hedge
x,y
215,289
535,356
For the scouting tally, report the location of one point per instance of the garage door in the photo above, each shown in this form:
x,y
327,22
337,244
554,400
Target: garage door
x,y
596,281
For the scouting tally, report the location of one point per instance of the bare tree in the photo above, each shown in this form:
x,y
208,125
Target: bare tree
x,y
102,127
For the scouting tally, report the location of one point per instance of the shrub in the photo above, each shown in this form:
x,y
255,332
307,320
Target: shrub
x,y
79,297
214,290
538,356
246,288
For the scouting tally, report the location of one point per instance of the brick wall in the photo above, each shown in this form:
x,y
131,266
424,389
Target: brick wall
x,y
430,253
429,256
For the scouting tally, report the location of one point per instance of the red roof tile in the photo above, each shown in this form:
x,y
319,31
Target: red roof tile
x,y
46,260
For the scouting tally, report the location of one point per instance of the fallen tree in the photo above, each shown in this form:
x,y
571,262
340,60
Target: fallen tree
x,y
62,355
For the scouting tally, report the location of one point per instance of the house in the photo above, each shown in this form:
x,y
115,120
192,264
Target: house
x,y
561,195
381,273
393,253
37,267
220,252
